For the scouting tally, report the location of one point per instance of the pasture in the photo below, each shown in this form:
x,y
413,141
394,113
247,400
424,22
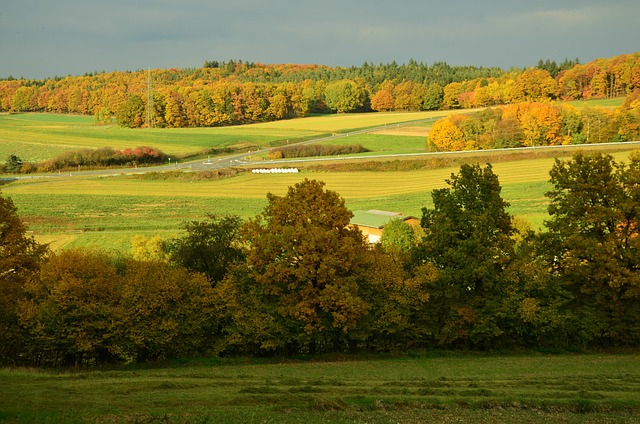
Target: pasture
x,y
427,387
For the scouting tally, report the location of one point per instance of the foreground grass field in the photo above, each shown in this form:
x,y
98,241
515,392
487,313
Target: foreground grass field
x,y
528,388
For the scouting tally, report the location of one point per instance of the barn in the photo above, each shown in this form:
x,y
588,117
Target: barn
x,y
371,223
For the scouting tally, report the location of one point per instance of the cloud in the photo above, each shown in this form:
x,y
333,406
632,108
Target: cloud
x,y
40,38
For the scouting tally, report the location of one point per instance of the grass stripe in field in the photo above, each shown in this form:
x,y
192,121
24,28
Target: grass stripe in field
x,y
348,121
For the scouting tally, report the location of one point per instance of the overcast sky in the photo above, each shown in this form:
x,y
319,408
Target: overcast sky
x,y
47,38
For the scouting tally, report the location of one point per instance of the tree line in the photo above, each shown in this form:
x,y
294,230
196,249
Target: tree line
x,y
236,92
531,124
298,279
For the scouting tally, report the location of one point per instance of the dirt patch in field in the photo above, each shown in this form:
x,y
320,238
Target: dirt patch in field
x,y
405,131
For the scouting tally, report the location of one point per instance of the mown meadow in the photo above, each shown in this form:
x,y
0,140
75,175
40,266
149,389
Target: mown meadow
x,y
429,387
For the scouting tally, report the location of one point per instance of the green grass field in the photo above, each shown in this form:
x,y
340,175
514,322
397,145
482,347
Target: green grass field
x,y
107,212
484,388
36,137
89,211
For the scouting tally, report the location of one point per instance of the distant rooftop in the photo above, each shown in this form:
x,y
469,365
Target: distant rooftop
x,y
374,218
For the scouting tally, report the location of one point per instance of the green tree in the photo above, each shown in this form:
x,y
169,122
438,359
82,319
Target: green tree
x,y
468,239
593,243
345,96
433,97
131,114
210,247
399,235
13,164
305,267
20,260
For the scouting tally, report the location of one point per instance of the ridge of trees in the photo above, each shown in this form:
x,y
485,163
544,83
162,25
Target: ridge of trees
x,y
236,92
298,279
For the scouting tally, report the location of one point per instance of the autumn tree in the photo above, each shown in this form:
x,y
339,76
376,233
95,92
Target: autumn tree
x,y
396,302
446,134
168,312
382,101
20,260
305,267
409,95
450,94
593,244
87,308
541,124
468,239
72,311
535,85
148,248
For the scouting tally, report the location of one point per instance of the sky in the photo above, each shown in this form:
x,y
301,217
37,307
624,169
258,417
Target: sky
x,y
46,38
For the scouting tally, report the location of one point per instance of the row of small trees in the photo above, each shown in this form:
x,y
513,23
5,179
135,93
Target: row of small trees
x,y
297,279
87,158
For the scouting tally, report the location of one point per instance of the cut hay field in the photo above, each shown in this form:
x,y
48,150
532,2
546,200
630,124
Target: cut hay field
x,y
481,388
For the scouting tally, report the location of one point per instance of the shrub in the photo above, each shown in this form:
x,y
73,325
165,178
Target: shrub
x,y
308,150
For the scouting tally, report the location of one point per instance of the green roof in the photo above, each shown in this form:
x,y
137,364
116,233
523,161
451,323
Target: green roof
x,y
373,218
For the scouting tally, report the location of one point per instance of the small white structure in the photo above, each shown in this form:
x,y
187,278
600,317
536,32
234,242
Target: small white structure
x,y
275,171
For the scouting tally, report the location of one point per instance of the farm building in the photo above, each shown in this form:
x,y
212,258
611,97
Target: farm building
x,y
371,223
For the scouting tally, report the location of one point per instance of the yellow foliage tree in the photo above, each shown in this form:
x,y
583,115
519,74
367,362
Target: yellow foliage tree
x,y
446,135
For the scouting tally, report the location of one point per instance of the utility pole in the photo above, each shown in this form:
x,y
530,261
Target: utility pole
x,y
150,111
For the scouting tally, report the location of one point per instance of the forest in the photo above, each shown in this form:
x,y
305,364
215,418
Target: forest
x,y
534,124
237,92
297,279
